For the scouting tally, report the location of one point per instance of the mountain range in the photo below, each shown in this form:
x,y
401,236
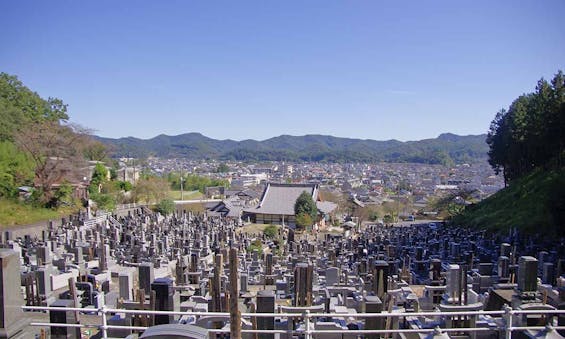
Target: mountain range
x,y
446,149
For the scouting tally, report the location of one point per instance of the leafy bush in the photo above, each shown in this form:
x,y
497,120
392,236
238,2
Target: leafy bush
x,y
271,231
125,186
63,196
303,221
166,206
104,201
256,245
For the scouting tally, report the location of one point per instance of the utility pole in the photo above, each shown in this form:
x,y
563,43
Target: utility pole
x,y
181,187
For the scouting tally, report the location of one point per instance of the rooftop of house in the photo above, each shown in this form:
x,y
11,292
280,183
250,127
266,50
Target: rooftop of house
x,y
280,198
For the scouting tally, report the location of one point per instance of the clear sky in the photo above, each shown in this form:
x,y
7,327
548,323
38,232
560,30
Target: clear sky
x,y
380,70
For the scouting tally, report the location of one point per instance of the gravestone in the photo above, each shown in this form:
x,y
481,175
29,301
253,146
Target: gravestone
x,y
380,278
332,276
303,276
373,304
243,282
163,288
146,276
527,274
126,284
548,273
63,317
503,267
43,255
265,304
42,274
11,300
453,284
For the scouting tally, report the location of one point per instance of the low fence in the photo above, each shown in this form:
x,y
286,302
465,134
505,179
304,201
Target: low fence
x,y
508,315
129,206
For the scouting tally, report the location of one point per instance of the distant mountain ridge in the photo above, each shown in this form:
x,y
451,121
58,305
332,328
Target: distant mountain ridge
x,y
446,149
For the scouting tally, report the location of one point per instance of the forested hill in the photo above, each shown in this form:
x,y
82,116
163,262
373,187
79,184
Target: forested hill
x,y
445,149
527,145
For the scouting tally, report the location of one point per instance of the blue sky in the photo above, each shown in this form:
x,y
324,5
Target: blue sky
x,y
406,70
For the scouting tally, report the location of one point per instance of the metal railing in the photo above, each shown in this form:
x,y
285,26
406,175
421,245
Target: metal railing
x,y
508,315
96,220
128,206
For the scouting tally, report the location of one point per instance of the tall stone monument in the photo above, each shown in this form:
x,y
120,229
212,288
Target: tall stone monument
x,y
11,315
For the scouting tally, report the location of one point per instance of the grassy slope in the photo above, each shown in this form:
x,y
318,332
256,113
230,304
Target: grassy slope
x,y
533,203
13,213
187,195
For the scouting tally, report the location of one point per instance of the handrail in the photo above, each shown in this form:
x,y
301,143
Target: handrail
x,y
507,313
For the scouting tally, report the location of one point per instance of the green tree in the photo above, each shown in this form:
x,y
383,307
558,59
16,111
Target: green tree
x,y
530,133
63,196
16,169
194,182
166,206
174,179
303,221
305,205
99,177
125,186
106,202
20,106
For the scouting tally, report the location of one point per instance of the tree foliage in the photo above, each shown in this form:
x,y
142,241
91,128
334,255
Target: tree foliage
x,y
303,220
305,205
63,195
256,245
95,150
530,133
305,210
452,204
15,169
271,231
36,139
99,177
166,206
20,106
55,151
192,182
151,189
106,202
125,186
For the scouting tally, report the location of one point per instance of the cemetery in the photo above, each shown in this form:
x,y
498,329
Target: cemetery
x,y
143,275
